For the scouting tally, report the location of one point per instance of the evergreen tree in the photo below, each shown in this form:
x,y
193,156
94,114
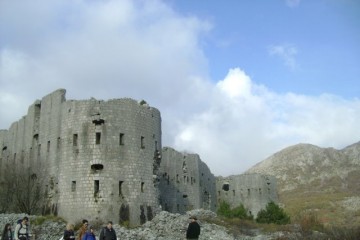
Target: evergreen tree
x,y
272,214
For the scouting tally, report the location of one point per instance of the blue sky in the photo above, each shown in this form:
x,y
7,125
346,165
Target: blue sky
x,y
319,42
235,81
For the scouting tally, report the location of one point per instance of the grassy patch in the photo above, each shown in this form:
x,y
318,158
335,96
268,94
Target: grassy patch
x,y
325,204
41,219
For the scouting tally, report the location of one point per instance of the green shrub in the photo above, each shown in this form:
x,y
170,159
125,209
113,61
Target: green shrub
x,y
241,212
273,214
224,209
238,212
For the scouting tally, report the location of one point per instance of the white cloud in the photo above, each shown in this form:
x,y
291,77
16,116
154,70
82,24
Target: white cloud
x,y
102,49
285,52
237,130
145,50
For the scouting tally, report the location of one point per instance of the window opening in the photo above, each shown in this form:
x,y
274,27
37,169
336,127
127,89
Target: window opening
x,y
142,186
226,186
98,137
142,142
73,186
96,187
97,167
75,140
120,188
98,121
48,146
121,139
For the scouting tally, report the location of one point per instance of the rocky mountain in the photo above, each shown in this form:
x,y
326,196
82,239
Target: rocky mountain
x,y
322,179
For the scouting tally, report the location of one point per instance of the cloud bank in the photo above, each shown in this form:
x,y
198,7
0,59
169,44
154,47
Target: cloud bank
x,y
146,50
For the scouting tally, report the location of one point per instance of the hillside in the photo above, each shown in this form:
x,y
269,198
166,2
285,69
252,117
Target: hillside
x,y
322,180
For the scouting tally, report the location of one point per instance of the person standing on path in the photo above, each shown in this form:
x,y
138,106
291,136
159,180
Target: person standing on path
x,y
193,230
7,234
108,233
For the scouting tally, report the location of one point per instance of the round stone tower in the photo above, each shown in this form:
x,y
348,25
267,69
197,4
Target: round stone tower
x,y
109,160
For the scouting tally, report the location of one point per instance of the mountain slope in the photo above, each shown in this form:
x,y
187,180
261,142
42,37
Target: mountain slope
x,y
325,180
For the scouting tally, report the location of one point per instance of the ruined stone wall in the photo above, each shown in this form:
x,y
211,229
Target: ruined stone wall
x,y
103,160
186,182
254,191
96,157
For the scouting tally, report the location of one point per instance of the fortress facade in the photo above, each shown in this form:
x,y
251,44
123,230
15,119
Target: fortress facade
x,y
103,160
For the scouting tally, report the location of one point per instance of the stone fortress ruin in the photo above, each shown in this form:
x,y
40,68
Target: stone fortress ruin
x,y
105,159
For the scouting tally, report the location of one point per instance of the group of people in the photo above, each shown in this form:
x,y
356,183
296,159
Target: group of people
x,y
86,232
21,232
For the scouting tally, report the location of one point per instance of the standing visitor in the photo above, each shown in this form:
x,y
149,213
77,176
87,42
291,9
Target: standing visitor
x,y
108,233
89,235
22,231
7,234
69,233
83,229
193,230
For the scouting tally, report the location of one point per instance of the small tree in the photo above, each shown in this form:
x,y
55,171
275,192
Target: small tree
x,y
28,197
6,189
272,214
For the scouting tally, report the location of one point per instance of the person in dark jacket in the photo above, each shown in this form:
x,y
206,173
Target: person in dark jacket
x,y
69,233
89,235
193,230
7,234
108,233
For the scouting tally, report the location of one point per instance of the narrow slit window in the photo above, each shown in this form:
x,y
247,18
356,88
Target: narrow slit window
x,y
121,139
58,142
142,186
96,187
120,188
73,186
48,146
142,142
98,138
75,140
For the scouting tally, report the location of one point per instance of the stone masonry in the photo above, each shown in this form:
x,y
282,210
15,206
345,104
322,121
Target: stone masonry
x,y
254,191
186,182
103,160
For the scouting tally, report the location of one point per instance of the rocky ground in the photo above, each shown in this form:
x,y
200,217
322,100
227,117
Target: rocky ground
x,y
165,226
